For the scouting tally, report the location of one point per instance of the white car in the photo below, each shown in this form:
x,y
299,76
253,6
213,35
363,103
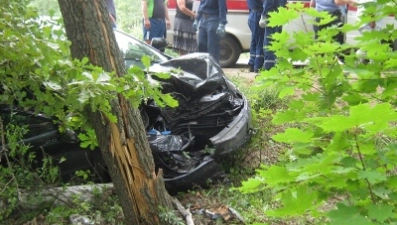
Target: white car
x,y
238,35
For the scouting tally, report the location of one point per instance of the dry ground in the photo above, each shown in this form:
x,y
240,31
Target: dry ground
x,y
240,71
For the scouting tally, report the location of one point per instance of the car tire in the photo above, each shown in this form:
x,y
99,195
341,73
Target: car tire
x,y
230,51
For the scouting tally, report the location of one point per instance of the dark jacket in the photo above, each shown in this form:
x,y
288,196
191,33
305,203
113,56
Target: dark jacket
x,y
272,6
255,5
216,8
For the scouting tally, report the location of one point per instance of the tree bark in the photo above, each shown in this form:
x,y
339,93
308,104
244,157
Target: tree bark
x,y
123,144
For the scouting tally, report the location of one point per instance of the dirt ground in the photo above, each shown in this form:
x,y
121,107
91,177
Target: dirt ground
x,y
239,70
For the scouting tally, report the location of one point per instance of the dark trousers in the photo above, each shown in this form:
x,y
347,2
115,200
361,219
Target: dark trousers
x,y
208,39
257,35
340,38
269,56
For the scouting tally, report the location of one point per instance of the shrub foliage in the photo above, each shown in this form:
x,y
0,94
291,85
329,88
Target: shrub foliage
x,y
340,165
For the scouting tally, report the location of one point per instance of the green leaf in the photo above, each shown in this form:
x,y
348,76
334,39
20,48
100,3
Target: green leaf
x,y
354,99
381,212
373,177
374,118
295,202
288,116
324,47
347,215
252,185
339,142
169,100
294,135
276,175
367,148
392,183
382,192
303,148
146,61
287,91
368,85
283,16
162,75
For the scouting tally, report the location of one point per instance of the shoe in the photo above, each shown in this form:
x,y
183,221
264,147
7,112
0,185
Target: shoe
x,y
251,68
258,70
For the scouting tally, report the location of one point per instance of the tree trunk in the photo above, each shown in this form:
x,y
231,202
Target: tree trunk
x,y
124,145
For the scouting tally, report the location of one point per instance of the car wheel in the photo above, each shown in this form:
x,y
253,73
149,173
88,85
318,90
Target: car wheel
x,y
230,51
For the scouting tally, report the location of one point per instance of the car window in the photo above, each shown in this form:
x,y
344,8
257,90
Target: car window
x,y
133,50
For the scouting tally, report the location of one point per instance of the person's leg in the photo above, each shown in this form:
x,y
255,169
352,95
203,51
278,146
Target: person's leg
x,y
157,28
316,28
259,60
146,34
338,22
213,43
339,37
253,45
202,36
259,34
269,56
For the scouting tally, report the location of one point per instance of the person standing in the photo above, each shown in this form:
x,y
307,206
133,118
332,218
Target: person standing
x,y
184,34
255,8
112,13
155,19
334,8
268,7
211,21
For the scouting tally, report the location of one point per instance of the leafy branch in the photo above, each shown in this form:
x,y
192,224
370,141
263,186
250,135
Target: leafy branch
x,y
336,115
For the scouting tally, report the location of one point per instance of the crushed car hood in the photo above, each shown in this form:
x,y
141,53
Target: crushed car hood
x,y
213,118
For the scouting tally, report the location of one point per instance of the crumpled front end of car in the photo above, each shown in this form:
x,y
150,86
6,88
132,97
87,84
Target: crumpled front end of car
x,y
213,118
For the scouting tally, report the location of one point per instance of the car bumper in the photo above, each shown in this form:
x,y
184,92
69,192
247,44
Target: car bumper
x,y
207,171
235,134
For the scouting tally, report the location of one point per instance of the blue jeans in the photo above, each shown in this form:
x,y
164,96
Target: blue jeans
x,y
157,29
270,57
208,40
257,35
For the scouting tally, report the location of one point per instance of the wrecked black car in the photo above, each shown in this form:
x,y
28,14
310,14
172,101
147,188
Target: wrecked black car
x,y
212,119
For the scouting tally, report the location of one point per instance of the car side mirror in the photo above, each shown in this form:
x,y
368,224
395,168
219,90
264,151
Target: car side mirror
x,y
159,43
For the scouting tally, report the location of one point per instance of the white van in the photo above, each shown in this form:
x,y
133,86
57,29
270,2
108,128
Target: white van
x,y
238,35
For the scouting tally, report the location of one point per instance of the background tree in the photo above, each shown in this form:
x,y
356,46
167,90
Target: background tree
x,y
129,15
123,143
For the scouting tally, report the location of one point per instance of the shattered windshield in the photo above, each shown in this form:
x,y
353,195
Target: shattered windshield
x,y
133,50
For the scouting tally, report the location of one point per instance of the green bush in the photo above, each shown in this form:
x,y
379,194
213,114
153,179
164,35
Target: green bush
x,y
337,169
